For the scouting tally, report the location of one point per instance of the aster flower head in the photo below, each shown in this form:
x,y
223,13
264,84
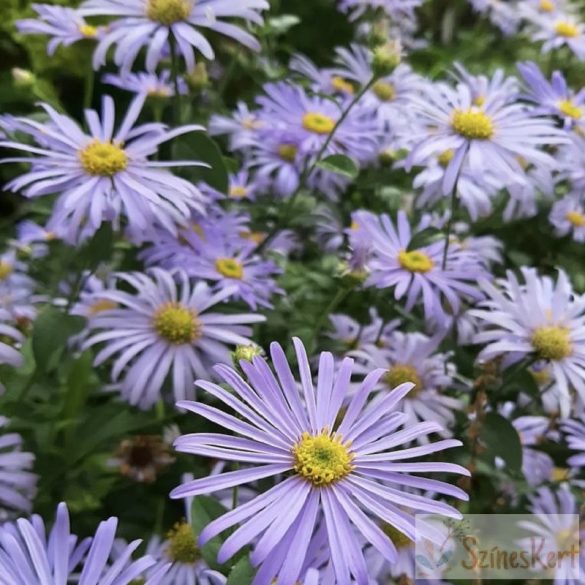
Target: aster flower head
x,y
575,435
246,185
164,328
554,96
568,217
491,137
413,358
541,320
501,14
561,30
418,272
154,85
65,25
324,80
17,481
31,555
395,9
105,175
345,467
153,24
241,128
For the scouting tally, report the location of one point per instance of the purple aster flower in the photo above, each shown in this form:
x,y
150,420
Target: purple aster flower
x,y
501,14
554,96
323,80
568,217
29,555
156,85
241,127
103,175
343,467
65,25
153,24
575,435
390,96
17,482
395,9
245,185
164,329
492,137
418,273
413,357
560,30
531,9
540,320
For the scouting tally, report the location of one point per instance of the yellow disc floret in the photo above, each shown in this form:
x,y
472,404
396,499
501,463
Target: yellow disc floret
x,y
88,31
552,342
182,547
168,12
318,123
575,218
322,459
229,267
103,159
566,29
5,270
401,373
176,324
238,191
384,91
287,152
446,157
568,108
341,85
415,261
546,6
472,124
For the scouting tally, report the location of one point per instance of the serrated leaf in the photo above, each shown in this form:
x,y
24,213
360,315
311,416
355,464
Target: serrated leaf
x,y
52,329
242,573
502,440
203,510
198,146
425,238
341,165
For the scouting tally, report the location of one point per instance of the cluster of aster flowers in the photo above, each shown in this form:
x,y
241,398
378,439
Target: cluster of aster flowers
x,y
305,308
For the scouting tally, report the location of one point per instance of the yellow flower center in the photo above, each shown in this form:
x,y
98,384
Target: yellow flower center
x,y
415,261
341,85
446,157
256,237
176,324
399,539
182,547
384,91
401,373
101,306
568,108
103,159
318,123
575,218
238,191
88,31
479,100
229,267
5,270
546,6
566,29
541,377
287,152
322,459
552,342
159,93
168,12
472,124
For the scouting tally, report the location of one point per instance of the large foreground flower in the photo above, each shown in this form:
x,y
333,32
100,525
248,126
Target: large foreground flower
x,y
28,555
344,467
540,320
17,482
104,175
154,24
164,329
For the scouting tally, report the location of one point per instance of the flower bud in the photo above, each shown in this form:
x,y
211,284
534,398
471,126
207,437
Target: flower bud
x,y
246,353
386,58
23,77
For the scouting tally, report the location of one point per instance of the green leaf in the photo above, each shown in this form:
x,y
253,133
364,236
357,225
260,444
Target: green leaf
x,y
424,238
340,164
203,510
197,146
242,573
52,329
501,439
99,248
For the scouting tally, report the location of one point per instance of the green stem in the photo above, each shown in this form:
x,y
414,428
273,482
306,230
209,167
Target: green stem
x,y
175,75
89,86
454,205
335,301
309,168
160,410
